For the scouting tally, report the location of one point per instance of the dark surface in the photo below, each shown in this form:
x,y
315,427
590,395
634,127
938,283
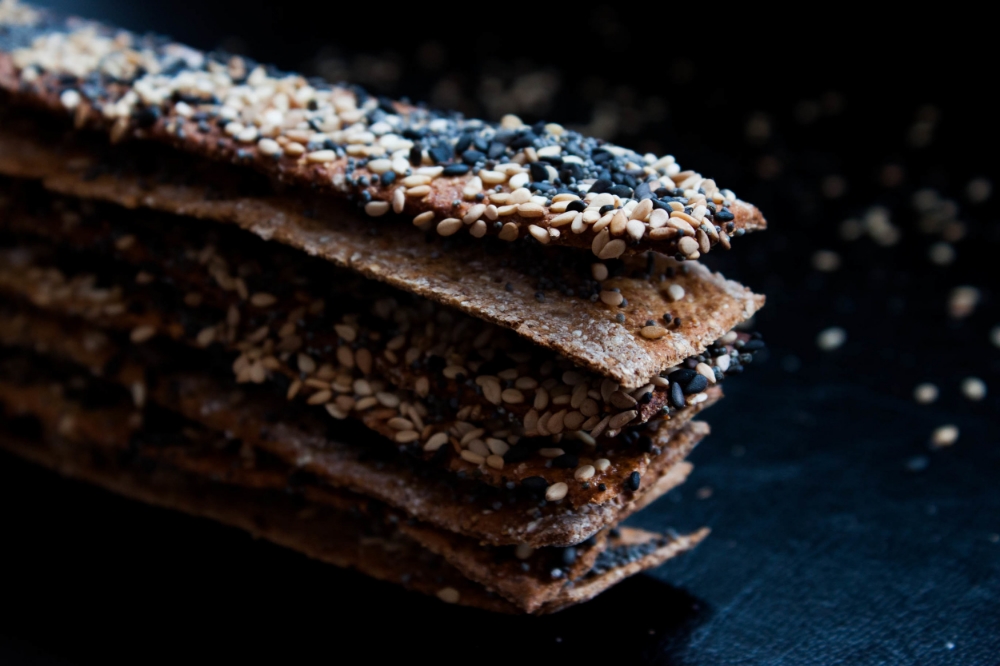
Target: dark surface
x,y
839,535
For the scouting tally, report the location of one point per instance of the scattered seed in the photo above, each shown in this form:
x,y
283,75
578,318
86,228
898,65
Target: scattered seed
x,y
925,393
831,338
974,388
945,435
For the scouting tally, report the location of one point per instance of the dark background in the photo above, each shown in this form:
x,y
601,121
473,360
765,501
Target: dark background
x,y
839,534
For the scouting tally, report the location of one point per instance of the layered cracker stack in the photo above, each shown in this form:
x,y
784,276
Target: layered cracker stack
x,y
446,353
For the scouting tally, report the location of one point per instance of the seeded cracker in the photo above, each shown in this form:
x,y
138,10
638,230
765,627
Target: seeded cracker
x,y
474,350
478,283
301,443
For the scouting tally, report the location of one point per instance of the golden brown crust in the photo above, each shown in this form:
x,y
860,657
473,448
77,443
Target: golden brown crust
x,y
586,332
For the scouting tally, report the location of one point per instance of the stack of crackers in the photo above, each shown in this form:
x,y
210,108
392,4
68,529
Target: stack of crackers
x,y
446,353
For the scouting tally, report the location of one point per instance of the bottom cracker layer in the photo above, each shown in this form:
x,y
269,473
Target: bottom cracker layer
x,y
334,536
88,428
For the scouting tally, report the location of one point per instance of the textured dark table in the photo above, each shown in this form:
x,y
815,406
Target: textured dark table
x,y
839,535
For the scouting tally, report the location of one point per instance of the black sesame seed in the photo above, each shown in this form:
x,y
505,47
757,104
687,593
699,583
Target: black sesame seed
x,y
535,484
633,481
471,157
456,170
538,171
600,185
697,384
677,396
623,191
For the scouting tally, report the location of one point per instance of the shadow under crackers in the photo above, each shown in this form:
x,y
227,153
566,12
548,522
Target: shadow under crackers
x,y
92,577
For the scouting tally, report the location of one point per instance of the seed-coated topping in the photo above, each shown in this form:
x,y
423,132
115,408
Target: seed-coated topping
x,y
545,181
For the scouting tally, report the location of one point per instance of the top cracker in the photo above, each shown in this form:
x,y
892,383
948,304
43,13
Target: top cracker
x,y
449,173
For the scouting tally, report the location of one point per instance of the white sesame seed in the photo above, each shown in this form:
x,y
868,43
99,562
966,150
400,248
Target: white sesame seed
x,y
563,219
995,336
436,441
519,180
556,491
479,447
945,435
509,232
635,228
826,261
379,166
474,214
512,396
613,249
247,135
653,332
471,457
407,436
419,191
925,393
492,177
497,446
70,99
962,301
416,180
584,472
831,338
538,233
424,220
269,147
345,331
599,272
321,156
689,247
706,370
319,397
449,595
941,254
336,412
142,333
449,226
602,464
377,208
478,229
675,292
974,388
621,419
612,298
658,218
263,299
